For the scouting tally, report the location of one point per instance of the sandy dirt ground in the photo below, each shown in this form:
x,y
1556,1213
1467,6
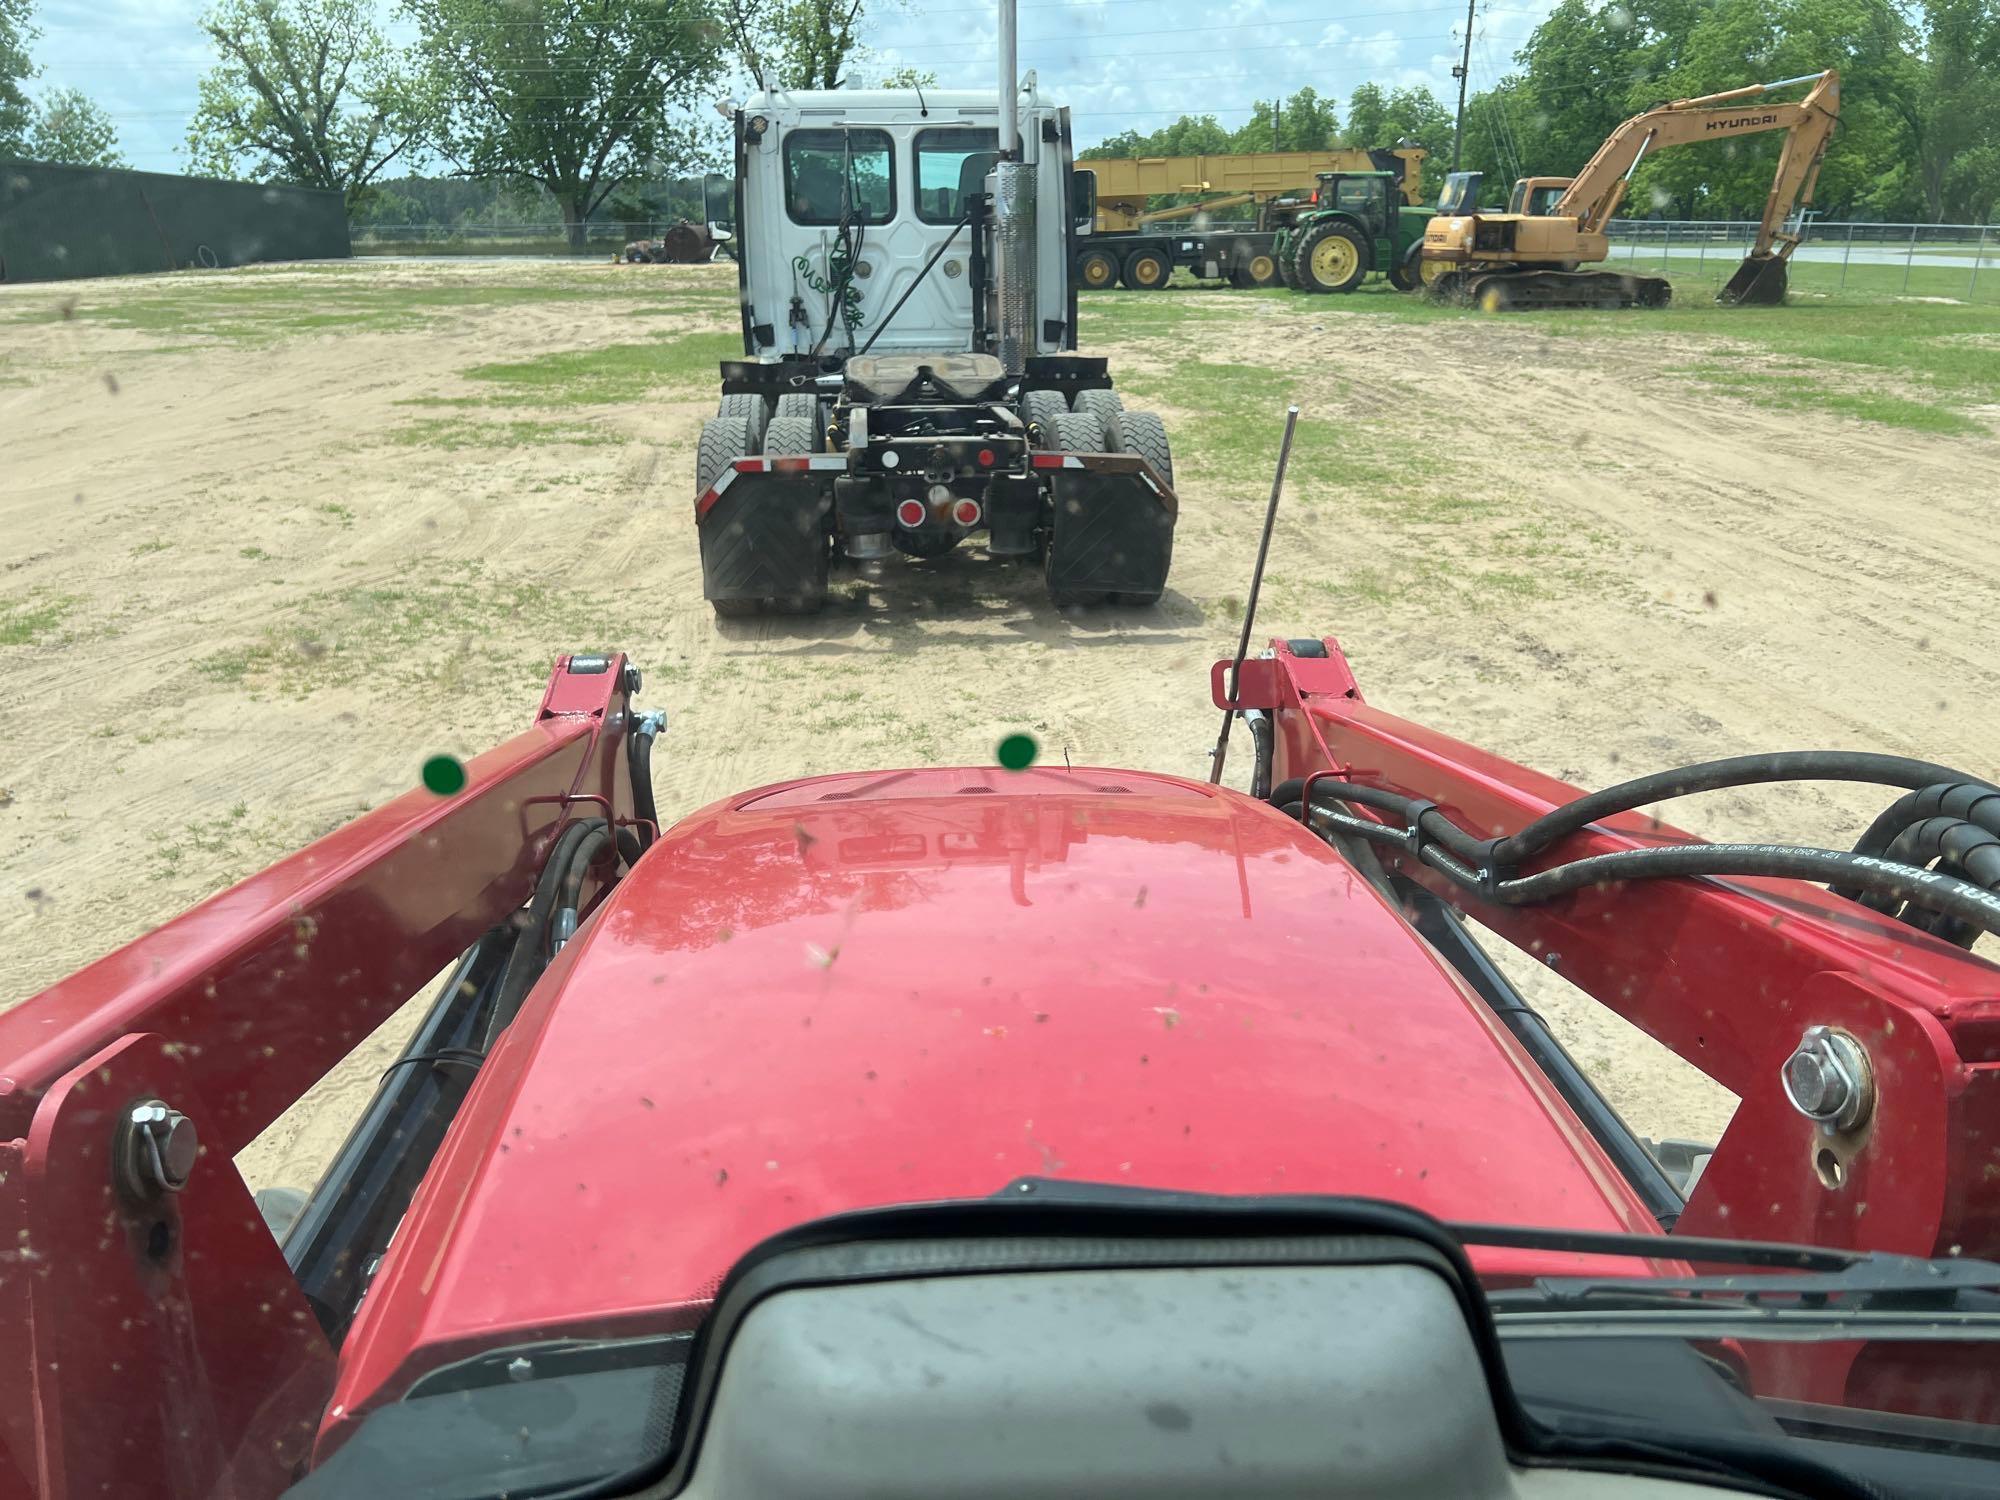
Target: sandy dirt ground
x,y
248,592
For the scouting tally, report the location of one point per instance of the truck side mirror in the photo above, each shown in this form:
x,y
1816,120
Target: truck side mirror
x,y
1083,199
718,196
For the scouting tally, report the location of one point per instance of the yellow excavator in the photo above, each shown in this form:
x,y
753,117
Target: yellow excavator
x,y
1530,255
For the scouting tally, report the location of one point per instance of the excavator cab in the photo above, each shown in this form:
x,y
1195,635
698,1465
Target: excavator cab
x,y
1537,195
1460,194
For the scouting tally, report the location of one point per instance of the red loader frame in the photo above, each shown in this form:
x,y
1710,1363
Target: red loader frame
x,y
163,1346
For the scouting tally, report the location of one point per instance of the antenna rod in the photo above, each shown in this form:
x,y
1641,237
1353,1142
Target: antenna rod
x,y
1221,750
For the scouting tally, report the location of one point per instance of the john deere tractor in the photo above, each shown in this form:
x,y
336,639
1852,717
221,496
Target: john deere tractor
x,y
1357,223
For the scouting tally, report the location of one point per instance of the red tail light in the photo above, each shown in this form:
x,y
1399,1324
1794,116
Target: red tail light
x,y
966,513
985,458
910,514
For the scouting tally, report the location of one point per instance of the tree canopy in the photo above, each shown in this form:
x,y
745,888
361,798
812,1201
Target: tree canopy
x,y
576,96
71,127
303,91
17,113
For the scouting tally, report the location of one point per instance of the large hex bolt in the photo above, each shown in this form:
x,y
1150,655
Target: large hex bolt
x,y
156,1151
1829,1081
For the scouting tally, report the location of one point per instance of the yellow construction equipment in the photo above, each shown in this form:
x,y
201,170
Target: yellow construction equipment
x,y
1126,184
1528,256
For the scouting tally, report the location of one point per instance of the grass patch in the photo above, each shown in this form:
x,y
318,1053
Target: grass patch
x,y
1804,390
245,308
451,434
145,549
614,373
25,622
426,631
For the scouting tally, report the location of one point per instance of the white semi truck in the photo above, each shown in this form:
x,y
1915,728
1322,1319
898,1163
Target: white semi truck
x,y
910,379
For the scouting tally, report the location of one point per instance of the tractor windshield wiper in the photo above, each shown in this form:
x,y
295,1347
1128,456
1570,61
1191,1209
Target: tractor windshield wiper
x,y
1822,1292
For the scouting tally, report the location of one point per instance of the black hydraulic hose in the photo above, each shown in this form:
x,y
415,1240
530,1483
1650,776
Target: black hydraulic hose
x,y
1262,744
937,254
1962,901
1415,812
639,758
1709,776
529,955
1966,800
1941,893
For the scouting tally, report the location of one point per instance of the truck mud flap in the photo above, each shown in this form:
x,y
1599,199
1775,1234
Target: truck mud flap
x,y
1111,533
764,534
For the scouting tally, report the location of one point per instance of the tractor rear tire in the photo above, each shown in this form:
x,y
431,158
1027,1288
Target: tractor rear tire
x,y
1406,274
723,440
789,437
1104,403
1079,432
1039,410
1096,270
753,410
1146,271
1144,435
1332,258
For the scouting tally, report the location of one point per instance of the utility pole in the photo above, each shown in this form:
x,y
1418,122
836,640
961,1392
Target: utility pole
x,y
1461,72
1275,144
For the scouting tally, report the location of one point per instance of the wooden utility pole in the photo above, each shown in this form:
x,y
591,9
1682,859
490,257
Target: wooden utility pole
x,y
1461,73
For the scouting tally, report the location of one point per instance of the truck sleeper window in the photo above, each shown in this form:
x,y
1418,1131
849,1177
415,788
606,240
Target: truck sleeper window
x,y
816,161
940,156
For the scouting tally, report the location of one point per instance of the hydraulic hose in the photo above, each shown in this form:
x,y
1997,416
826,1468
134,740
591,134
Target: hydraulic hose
x,y
1415,812
1261,740
1963,798
639,758
1714,775
578,844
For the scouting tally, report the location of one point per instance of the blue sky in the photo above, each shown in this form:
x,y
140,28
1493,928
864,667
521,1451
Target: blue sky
x,y
1120,64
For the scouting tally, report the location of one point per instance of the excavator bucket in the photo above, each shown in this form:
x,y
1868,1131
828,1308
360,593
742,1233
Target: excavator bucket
x,y
1759,282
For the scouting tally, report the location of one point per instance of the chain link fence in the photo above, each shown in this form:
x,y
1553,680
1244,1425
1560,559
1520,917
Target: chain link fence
x,y
1956,261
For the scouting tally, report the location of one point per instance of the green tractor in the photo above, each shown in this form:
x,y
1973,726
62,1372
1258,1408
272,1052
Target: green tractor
x,y
1357,223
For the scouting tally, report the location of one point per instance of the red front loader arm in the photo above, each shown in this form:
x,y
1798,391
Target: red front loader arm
x,y
1728,973
157,1341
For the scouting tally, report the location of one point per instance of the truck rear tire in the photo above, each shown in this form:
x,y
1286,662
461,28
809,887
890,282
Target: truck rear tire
x,y
1257,270
1096,270
1146,271
1039,409
1332,258
723,440
801,404
1144,435
753,411
1079,432
789,437
1104,403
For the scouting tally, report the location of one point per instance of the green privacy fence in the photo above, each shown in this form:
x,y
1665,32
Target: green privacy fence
x,y
59,222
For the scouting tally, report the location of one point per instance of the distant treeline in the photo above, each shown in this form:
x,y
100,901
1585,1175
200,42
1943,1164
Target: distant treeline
x,y
1919,136
452,204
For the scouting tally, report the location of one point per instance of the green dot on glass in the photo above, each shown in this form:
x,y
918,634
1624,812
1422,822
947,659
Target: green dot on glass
x,y
444,774
1017,751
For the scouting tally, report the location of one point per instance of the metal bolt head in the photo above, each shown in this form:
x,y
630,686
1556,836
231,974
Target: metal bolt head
x,y
157,1149
632,678
1828,1079
520,1367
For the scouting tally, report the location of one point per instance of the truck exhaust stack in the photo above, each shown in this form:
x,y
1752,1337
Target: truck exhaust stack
x,y
1013,189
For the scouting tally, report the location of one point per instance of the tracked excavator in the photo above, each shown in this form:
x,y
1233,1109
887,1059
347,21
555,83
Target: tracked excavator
x,y
1531,255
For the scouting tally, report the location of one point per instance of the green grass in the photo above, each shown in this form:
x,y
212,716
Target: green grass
x,y
613,373
424,631
25,622
240,308
1804,389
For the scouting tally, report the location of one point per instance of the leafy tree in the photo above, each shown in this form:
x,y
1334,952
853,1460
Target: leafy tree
x,y
303,91
1304,122
1403,116
908,78
16,112
71,127
794,44
572,95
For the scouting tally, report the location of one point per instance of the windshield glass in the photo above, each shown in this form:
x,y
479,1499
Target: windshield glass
x,y
602,655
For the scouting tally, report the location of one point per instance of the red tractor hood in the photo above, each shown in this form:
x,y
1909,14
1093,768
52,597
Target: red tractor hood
x,y
880,988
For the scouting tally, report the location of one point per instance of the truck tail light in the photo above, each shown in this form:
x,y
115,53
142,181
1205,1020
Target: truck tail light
x,y
910,514
966,513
